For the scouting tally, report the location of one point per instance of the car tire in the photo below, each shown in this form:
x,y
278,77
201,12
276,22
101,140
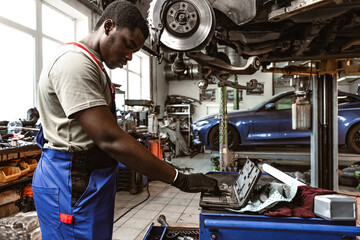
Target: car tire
x,y
353,139
233,138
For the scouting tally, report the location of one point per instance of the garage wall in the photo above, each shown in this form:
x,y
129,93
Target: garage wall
x,y
354,86
347,88
189,88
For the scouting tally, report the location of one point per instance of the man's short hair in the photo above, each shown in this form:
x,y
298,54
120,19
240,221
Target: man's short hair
x,y
125,15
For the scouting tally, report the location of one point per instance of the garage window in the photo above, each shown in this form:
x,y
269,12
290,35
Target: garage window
x,y
17,72
30,30
133,78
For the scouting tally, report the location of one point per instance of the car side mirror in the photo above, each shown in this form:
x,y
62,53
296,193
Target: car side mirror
x,y
269,106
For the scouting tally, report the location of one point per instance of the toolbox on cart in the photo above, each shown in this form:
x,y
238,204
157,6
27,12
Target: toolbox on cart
x,y
235,188
169,233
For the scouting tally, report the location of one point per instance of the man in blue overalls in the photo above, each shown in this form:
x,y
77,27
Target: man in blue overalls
x,y
74,184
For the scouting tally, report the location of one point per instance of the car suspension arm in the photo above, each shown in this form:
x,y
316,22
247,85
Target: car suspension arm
x,y
252,65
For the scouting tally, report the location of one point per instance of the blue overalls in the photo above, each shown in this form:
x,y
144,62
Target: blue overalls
x,y
74,193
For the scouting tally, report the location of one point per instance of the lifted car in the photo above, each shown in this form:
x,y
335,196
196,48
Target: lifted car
x,y
270,123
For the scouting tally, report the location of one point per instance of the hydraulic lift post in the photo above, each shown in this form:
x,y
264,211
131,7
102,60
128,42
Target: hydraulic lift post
x,y
324,136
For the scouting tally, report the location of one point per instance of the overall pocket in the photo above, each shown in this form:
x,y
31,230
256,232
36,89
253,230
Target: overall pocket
x,y
47,206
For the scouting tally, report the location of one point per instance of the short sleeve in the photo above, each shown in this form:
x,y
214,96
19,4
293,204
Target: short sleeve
x,y
78,82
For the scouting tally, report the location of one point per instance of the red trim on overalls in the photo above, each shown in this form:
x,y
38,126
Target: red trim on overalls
x,y
65,218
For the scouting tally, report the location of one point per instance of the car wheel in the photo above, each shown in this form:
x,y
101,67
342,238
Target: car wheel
x,y
233,137
353,139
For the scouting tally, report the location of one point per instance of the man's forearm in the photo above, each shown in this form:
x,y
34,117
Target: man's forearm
x,y
137,157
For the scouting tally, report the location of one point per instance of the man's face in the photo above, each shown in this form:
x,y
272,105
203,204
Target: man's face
x,y
119,46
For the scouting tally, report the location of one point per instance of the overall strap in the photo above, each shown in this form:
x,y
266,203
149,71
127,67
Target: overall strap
x,y
83,48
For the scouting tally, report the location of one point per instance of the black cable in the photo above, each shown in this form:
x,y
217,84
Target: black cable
x,y
147,190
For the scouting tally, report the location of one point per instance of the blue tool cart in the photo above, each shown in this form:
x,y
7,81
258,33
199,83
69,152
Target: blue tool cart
x,y
228,226
225,225
215,224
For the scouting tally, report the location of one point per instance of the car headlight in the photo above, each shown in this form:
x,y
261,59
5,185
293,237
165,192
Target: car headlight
x,y
202,123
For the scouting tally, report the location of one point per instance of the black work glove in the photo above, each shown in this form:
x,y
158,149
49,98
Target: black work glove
x,y
196,182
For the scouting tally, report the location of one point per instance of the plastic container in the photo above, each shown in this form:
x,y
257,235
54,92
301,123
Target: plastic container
x,y
155,148
8,174
27,191
32,163
24,168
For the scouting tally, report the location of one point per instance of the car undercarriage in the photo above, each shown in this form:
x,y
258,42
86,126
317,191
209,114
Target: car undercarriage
x,y
271,30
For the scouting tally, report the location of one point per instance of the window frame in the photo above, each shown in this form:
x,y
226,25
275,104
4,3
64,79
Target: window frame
x,y
78,18
81,15
144,56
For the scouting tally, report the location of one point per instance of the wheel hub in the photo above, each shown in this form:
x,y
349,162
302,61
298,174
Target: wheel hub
x,y
182,19
181,25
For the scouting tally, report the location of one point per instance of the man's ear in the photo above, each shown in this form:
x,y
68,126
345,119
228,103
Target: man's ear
x,y
108,26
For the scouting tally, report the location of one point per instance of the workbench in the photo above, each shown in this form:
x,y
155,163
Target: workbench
x,y
226,225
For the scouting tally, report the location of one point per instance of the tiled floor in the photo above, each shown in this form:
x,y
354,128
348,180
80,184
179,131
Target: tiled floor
x,y
178,207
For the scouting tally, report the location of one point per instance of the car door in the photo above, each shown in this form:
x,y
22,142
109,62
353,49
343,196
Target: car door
x,y
274,125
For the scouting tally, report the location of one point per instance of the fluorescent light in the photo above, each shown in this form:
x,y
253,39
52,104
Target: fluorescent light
x,y
341,79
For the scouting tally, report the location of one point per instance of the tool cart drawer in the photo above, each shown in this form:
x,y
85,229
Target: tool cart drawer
x,y
225,225
169,233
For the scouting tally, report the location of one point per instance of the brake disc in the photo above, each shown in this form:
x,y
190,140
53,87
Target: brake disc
x,y
181,25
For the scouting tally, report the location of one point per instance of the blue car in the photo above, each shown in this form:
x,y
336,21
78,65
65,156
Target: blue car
x,y
270,123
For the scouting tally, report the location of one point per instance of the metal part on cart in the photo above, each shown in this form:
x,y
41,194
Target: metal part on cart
x,y
235,189
335,207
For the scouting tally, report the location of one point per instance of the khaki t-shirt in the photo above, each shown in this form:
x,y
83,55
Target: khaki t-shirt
x,y
70,82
